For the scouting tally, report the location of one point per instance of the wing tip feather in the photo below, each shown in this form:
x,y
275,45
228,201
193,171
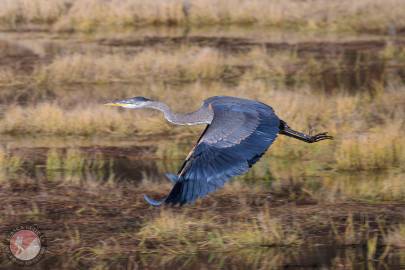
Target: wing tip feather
x,y
153,202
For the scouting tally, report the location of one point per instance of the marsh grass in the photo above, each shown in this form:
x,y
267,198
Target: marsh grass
x,y
13,13
368,187
362,232
74,238
9,163
263,230
176,232
90,15
73,165
376,150
349,237
189,63
372,244
9,78
74,160
95,75
184,64
396,236
51,118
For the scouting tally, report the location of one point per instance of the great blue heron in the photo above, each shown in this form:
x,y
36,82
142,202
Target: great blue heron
x,y
238,133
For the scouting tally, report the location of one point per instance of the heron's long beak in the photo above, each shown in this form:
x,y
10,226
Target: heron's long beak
x,y
113,104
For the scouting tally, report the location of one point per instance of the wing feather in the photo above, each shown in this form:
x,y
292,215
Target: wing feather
x,y
237,138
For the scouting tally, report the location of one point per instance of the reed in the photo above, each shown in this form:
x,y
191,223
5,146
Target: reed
x,y
90,15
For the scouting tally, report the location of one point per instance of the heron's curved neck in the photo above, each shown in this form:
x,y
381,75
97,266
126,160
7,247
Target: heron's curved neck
x,y
202,116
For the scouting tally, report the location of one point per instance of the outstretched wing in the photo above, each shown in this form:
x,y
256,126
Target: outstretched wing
x,y
238,136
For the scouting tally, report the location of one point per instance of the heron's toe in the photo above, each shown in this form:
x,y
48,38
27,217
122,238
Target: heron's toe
x,y
322,136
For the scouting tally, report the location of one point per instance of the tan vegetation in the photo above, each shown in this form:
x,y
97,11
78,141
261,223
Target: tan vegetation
x,y
175,232
182,64
368,187
36,11
377,150
191,63
88,15
8,162
396,237
50,118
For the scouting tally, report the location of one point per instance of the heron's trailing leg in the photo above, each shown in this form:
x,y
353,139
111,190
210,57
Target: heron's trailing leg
x,y
286,130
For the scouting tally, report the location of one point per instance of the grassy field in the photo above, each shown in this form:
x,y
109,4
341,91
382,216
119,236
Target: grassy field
x,y
315,15
79,169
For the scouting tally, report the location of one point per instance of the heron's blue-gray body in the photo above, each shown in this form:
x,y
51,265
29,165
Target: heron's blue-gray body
x,y
240,132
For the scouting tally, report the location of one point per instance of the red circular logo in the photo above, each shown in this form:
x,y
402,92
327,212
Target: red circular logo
x,y
25,244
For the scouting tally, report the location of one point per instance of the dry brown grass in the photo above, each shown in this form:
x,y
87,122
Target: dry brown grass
x,y
8,77
155,67
8,162
90,14
87,15
177,232
396,237
31,11
174,231
263,230
376,150
189,63
182,64
50,118
367,187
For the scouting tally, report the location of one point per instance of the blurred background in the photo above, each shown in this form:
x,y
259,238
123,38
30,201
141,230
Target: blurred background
x,y
79,169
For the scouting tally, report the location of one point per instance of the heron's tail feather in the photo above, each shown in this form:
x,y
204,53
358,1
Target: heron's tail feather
x,y
172,177
152,201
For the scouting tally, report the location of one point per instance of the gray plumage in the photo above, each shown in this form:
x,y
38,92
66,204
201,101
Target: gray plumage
x,y
201,116
238,133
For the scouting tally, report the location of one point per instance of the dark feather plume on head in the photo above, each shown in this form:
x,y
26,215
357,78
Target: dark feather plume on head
x,y
140,99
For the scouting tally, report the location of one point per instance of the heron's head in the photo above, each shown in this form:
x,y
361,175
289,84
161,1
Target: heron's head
x,y
130,103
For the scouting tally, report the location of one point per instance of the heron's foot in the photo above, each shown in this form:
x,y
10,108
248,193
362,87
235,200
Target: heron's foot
x,y
320,137
308,138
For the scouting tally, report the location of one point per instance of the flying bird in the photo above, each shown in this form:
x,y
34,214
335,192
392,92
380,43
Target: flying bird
x,y
238,133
